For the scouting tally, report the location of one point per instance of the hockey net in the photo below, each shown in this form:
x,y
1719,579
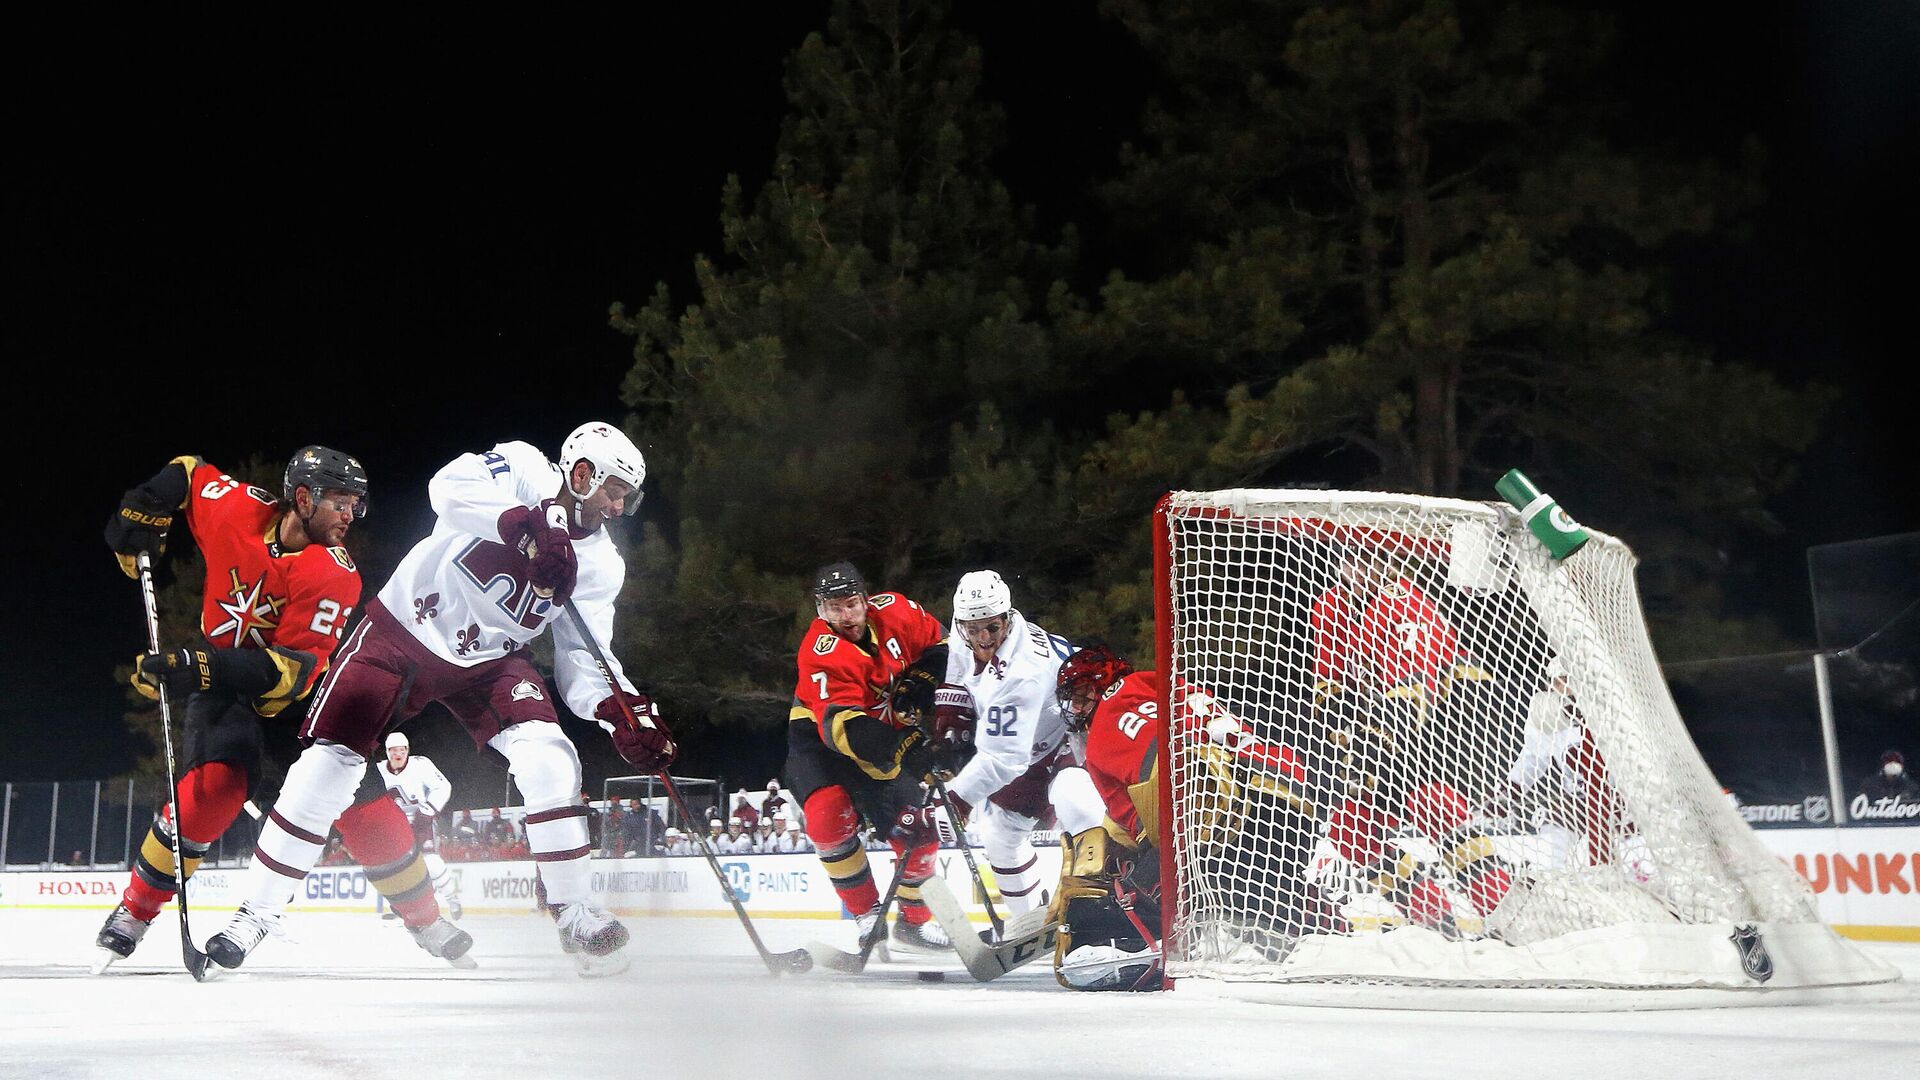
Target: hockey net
x,y
1409,748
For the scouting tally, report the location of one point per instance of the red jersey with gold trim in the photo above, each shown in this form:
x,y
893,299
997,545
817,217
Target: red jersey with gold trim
x,y
839,677
1123,748
1333,627
257,596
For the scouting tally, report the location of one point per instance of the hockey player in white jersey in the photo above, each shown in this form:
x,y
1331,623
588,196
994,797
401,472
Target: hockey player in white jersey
x,y
423,791
517,538
1024,774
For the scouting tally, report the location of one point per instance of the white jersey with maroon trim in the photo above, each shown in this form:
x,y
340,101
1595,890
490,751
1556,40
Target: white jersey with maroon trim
x,y
1020,720
464,594
423,788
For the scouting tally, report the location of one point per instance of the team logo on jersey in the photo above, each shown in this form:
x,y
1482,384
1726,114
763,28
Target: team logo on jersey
x,y
1754,959
883,601
469,639
824,644
345,560
525,691
249,611
426,608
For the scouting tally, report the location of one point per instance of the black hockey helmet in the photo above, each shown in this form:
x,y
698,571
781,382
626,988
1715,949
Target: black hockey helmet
x,y
839,579
317,468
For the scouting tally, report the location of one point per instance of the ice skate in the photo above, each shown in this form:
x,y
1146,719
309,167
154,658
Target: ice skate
x,y
230,947
592,930
448,942
926,937
118,937
866,924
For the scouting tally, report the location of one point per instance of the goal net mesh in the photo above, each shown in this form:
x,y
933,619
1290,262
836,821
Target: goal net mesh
x,y
1407,746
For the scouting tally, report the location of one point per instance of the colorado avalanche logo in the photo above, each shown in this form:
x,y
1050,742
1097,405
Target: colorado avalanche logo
x,y
525,691
1753,952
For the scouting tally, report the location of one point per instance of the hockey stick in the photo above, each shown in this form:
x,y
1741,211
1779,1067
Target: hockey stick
x,y
796,961
196,960
966,852
1027,936
855,963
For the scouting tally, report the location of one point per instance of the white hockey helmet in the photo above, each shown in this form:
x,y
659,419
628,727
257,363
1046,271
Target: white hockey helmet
x,y
611,453
396,739
981,595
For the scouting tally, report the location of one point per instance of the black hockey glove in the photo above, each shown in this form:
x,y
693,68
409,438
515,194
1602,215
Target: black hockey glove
x,y
930,758
181,670
140,525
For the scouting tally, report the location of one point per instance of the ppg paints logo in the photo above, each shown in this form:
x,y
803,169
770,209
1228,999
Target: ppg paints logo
x,y
739,879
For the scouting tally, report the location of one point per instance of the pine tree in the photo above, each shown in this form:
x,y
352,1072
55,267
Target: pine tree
x,y
1412,259
874,300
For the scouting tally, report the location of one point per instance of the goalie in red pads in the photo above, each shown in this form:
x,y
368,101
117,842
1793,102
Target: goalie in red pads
x,y
1110,892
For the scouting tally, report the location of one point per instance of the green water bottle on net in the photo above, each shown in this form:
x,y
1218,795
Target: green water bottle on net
x,y
1550,525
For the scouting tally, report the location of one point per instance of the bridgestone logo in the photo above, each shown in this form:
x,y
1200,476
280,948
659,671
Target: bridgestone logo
x,y
1887,809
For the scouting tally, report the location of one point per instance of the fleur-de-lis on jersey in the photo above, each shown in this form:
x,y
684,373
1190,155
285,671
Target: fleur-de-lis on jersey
x,y
426,609
469,639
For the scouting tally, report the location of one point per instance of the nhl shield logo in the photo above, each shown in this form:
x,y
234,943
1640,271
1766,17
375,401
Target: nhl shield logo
x,y
1753,953
525,691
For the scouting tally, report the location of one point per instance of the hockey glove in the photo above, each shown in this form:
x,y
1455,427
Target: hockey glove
x,y
181,670
643,739
929,759
139,525
953,714
914,827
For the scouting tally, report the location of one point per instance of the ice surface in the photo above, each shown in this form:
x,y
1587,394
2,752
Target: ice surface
x,y
353,997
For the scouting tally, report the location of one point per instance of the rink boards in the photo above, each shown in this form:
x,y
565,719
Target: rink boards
x,y
1867,883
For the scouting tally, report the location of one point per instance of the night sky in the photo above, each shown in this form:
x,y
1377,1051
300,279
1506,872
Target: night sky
x,y
406,251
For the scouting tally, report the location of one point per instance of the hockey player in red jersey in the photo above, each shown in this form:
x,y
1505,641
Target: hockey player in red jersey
x,y
517,538
849,753
279,590
1398,696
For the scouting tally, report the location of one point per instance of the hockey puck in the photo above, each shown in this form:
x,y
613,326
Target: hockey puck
x,y
932,976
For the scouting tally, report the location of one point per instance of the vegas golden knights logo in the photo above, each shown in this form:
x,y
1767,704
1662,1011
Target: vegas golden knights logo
x,y
824,644
1753,953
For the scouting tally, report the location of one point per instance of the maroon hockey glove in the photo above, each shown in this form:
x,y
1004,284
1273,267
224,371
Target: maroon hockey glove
x,y
520,524
551,565
914,827
648,746
953,715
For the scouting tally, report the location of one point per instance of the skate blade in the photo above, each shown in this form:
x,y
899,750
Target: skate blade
x,y
105,960
599,967
464,962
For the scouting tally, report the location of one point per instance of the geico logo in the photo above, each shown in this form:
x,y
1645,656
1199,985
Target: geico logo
x,y
77,888
1876,873
507,888
337,885
1889,808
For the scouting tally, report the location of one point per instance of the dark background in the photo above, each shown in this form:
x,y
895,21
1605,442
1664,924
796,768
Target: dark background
x,y
406,250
